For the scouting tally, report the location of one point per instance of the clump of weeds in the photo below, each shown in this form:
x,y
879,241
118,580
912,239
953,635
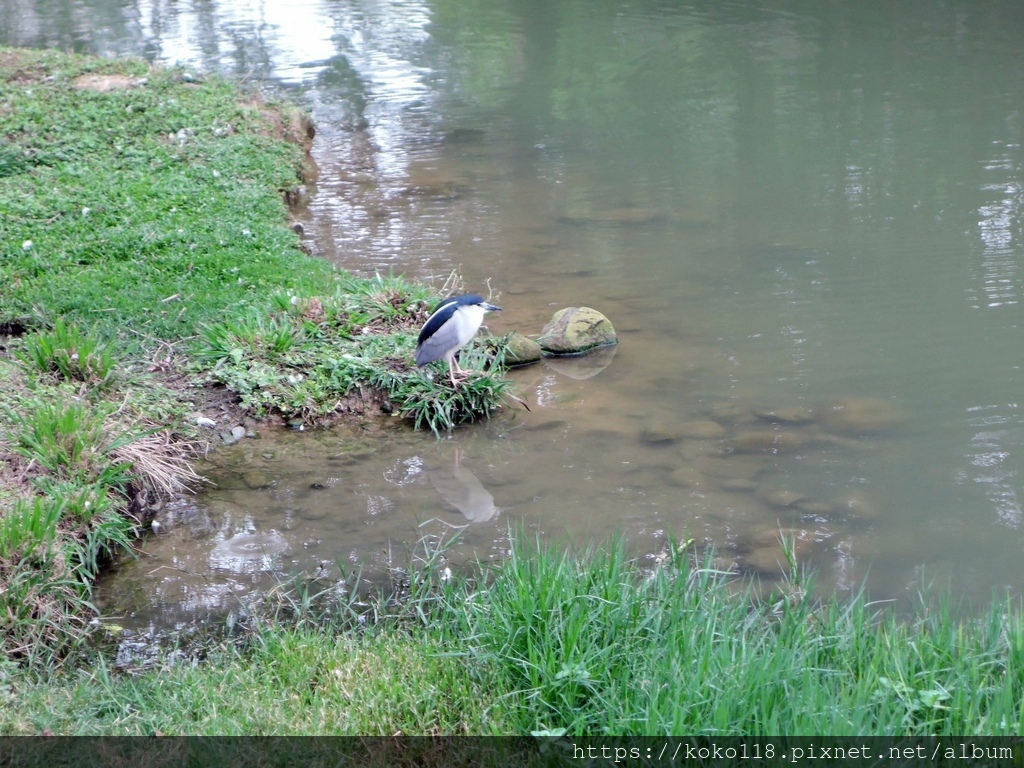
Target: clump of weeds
x,y
313,357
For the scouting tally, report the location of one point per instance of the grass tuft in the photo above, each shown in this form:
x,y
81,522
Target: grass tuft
x,y
71,441
430,400
312,357
75,466
248,340
70,354
44,603
29,527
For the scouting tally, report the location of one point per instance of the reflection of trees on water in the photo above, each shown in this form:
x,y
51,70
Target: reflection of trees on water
x,y
234,38
84,27
872,82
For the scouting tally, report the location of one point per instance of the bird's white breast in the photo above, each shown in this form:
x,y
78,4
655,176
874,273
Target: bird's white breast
x,y
468,320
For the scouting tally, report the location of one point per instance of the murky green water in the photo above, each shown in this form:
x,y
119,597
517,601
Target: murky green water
x,y
804,220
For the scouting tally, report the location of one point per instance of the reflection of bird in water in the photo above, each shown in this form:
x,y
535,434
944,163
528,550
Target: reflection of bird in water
x,y
461,488
449,329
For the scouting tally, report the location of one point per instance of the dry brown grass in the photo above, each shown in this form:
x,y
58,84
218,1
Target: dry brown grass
x,y
161,461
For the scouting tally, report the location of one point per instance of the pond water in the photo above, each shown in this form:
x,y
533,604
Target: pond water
x,y
804,220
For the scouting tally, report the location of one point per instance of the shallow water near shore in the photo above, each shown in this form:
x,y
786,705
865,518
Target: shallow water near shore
x,y
804,223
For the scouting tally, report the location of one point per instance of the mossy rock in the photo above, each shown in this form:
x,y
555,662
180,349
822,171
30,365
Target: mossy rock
x,y
575,330
521,350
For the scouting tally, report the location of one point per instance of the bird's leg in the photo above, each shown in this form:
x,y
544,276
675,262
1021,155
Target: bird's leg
x,y
456,371
452,365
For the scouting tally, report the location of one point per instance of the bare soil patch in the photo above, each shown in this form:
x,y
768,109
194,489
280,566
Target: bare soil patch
x,y
104,83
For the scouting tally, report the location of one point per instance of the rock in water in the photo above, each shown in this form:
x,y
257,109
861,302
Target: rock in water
x,y
861,415
701,430
575,330
521,350
658,434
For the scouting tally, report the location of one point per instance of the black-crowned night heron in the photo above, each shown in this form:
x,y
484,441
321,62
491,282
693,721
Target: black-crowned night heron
x,y
453,323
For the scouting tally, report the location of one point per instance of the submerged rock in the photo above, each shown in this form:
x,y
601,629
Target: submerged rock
x,y
465,136
856,507
659,434
687,477
861,415
766,441
729,411
544,426
731,466
693,450
701,430
795,415
813,507
256,480
575,330
765,553
781,497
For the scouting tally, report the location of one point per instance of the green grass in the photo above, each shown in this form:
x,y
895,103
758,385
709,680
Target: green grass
x,y
290,683
70,441
147,264
152,206
558,643
54,538
69,354
304,357
152,217
45,601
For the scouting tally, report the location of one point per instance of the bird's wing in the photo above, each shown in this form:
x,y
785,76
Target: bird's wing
x,y
445,338
436,320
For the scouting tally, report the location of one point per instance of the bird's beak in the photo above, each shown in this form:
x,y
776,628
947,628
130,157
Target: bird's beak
x,y
490,307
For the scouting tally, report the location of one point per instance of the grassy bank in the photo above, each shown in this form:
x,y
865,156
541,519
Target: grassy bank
x,y
151,287
153,296
557,643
